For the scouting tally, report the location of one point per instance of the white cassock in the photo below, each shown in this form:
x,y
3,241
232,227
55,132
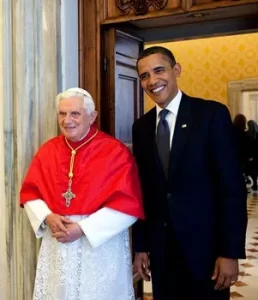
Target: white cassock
x,y
97,266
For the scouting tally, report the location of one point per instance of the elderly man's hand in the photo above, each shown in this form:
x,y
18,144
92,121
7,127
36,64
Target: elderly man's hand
x,y
225,272
58,223
75,232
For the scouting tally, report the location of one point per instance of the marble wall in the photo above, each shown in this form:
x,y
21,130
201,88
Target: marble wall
x,y
33,68
4,285
5,270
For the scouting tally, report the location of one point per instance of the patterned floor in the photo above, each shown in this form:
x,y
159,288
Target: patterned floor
x,y
246,288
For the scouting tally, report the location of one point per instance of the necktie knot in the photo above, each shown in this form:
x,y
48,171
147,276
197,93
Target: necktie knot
x,y
163,113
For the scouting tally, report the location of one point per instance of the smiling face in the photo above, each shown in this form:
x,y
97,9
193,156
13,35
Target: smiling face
x,y
73,119
159,78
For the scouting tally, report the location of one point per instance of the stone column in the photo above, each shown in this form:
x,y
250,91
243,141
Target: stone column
x,y
38,59
4,282
27,118
5,253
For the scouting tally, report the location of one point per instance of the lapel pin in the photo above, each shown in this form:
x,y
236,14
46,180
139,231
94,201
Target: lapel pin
x,y
184,125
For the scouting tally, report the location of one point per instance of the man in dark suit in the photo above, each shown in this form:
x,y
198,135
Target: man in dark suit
x,y
193,188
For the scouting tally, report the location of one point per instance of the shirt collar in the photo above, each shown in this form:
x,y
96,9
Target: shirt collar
x,y
173,106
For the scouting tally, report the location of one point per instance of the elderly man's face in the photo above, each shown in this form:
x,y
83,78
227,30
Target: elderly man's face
x,y
73,119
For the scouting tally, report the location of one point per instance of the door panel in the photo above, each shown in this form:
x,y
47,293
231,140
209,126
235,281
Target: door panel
x,y
122,96
127,98
124,107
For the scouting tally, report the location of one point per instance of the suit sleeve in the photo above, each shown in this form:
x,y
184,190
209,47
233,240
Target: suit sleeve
x,y
139,228
231,200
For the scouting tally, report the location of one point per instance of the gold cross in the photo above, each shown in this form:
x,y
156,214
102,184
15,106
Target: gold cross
x,y
68,195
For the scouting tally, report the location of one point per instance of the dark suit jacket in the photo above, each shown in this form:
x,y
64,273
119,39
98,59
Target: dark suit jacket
x,y
204,195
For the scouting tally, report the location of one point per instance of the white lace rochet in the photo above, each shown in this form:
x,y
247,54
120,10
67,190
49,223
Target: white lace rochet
x,y
76,271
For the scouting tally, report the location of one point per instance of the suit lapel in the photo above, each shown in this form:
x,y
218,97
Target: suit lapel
x,y
150,131
181,133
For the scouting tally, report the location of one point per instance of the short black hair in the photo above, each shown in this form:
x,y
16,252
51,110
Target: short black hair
x,y
157,49
240,122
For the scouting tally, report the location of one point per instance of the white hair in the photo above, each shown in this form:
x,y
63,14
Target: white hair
x,y
88,103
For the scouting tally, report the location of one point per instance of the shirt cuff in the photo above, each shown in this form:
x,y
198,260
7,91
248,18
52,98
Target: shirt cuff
x,y
102,225
37,211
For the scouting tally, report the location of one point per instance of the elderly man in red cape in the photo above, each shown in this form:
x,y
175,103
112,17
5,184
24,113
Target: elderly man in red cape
x,y
81,194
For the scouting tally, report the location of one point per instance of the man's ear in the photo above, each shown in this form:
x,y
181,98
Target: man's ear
x,y
177,69
93,117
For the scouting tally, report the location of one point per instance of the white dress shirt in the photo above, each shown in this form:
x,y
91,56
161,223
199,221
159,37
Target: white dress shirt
x,y
173,107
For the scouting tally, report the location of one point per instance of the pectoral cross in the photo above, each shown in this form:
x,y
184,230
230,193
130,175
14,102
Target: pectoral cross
x,y
68,195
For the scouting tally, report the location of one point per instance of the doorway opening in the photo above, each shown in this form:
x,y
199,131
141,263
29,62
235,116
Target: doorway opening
x,y
207,50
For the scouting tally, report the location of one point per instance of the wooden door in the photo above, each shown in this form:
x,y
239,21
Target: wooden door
x,y
122,99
